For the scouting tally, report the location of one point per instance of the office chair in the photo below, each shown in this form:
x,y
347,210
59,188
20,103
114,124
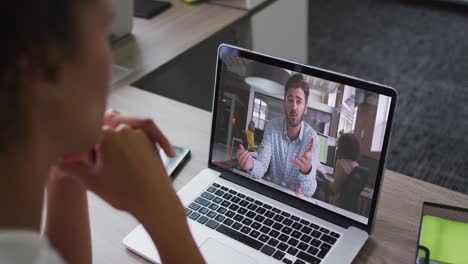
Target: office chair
x,y
352,188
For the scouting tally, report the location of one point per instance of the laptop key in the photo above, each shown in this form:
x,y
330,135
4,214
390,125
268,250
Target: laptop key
x,y
219,218
328,239
306,238
246,229
287,261
235,199
287,222
285,214
305,222
293,242
278,255
228,222
299,261
219,193
227,196
308,258
303,246
263,238
313,250
256,226
239,237
295,218
250,199
211,214
211,189
257,202
194,216
282,246
207,195
241,195
278,218
277,226
234,207
267,250
250,214
224,188
335,235
254,234
324,248
242,211
296,234
324,230
188,211
221,210
225,203
268,222
232,192
306,230
252,207
194,206
236,226
212,224
297,226
286,230
314,226
273,242
316,234
283,237
259,218
265,229
292,251
213,206
217,200
274,233
202,201
267,206
230,213
244,203
216,185
202,220
269,214
260,210
276,210
203,210
316,243
238,217
247,221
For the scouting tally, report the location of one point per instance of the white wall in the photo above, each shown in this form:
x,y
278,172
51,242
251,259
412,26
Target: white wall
x,y
281,30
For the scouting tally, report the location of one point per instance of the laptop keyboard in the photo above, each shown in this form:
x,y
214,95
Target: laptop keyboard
x,y
261,226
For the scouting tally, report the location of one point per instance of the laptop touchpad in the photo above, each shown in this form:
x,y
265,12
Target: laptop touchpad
x,y
216,252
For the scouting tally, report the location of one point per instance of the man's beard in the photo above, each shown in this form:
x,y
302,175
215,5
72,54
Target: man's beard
x,y
294,119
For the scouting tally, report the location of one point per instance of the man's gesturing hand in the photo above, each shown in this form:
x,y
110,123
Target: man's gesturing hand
x,y
304,161
244,158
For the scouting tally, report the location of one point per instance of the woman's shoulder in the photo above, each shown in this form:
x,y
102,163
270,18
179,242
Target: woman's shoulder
x,y
18,246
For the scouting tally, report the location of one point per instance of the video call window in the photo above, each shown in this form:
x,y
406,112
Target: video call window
x,y
341,132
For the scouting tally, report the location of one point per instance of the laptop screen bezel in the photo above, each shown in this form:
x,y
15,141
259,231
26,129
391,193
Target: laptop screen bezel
x,y
273,193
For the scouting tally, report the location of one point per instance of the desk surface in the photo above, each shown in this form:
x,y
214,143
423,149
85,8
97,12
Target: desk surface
x,y
395,235
157,41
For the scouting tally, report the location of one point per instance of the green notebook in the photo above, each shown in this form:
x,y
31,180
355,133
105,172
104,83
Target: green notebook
x,y
446,240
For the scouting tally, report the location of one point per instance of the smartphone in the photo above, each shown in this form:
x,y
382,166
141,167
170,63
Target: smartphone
x,y
149,8
172,164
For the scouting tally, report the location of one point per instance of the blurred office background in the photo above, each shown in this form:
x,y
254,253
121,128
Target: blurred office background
x,y
418,47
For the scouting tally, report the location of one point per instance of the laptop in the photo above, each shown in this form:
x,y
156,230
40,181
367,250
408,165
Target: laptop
x,y
283,213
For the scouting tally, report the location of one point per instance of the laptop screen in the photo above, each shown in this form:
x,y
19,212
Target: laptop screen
x,y
312,138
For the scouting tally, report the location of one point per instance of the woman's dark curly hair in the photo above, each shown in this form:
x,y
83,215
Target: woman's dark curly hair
x,y
30,31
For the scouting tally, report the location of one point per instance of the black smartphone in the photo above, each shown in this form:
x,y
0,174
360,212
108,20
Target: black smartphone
x,y
149,8
172,164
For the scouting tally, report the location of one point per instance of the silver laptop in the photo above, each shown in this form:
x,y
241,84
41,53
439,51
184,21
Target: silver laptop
x,y
298,184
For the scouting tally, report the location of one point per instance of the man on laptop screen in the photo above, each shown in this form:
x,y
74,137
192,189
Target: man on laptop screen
x,y
290,146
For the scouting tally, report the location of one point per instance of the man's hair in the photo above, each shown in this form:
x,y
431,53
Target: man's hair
x,y
31,30
349,146
297,81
